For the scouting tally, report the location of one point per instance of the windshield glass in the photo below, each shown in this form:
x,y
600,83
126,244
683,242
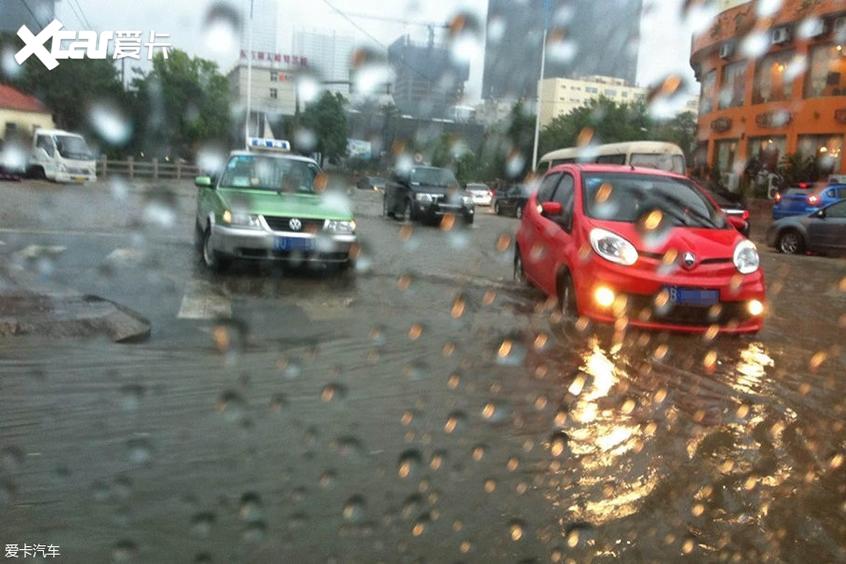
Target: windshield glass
x,y
628,197
270,173
440,177
72,147
670,163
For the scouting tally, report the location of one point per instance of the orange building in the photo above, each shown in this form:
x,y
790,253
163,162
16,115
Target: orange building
x,y
772,85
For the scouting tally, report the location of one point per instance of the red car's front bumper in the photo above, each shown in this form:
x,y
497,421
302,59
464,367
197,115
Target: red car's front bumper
x,y
640,295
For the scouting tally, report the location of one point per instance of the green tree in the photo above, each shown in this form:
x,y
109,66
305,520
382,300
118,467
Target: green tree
x,y
183,103
71,88
605,121
328,121
448,153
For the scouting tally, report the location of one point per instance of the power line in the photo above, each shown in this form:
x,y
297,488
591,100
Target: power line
x,y
34,17
87,23
373,38
76,14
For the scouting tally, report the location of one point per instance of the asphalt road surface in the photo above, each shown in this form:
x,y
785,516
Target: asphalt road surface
x,y
425,408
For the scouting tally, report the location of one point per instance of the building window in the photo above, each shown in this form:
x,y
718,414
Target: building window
x,y
625,94
274,93
725,151
610,93
827,73
274,76
773,80
591,90
827,149
767,151
733,86
706,98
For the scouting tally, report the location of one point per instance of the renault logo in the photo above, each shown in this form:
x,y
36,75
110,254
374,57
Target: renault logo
x,y
295,224
689,259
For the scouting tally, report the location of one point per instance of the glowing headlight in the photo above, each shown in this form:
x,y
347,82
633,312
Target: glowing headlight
x,y
612,247
746,258
240,219
467,200
425,198
343,226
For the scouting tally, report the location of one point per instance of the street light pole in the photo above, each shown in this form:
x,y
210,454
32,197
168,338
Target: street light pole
x,y
540,104
249,78
546,8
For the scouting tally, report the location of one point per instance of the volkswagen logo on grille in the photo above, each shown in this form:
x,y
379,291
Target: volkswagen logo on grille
x,y
689,259
295,224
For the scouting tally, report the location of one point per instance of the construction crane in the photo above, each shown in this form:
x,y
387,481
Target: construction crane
x,y
429,25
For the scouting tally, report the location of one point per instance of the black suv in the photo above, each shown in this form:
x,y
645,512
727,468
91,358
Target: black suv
x,y
426,193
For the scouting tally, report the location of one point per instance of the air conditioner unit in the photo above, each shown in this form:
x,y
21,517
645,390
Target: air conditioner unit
x,y
839,28
780,36
726,50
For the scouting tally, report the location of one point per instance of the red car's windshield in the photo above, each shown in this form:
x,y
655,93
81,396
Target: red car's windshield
x,y
629,197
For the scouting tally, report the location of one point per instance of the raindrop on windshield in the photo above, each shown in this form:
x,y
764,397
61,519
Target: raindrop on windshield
x,y
110,123
221,29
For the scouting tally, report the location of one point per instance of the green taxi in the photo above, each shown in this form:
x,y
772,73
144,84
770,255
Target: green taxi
x,y
268,204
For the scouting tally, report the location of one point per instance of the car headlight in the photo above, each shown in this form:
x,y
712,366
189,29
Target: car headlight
x,y
425,198
240,219
466,200
340,226
746,258
612,247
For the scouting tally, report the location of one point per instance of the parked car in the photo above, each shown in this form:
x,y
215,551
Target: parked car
x,y
734,208
265,206
376,183
823,231
644,246
799,201
511,201
481,194
426,193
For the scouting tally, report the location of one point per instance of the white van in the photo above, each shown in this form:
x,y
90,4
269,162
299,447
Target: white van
x,y
61,156
648,154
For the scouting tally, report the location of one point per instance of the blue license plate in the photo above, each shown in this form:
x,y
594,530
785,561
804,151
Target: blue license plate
x,y
292,244
693,296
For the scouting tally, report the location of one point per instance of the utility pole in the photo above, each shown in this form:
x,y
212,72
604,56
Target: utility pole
x,y
546,8
249,78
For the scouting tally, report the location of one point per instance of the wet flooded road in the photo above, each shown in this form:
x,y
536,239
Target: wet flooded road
x,y
427,408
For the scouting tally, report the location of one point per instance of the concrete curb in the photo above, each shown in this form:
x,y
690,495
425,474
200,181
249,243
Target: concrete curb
x,y
69,316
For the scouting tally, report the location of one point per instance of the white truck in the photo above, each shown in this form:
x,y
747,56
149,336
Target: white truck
x,y
61,156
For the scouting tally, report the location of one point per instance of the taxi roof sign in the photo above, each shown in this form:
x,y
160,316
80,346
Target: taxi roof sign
x,y
265,144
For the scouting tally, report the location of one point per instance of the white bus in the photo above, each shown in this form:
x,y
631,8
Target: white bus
x,y
648,154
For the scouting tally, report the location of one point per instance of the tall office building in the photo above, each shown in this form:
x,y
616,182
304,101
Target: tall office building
x,y
587,37
328,54
265,15
428,81
35,14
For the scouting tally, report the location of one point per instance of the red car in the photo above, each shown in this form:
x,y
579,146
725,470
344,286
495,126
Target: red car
x,y
638,247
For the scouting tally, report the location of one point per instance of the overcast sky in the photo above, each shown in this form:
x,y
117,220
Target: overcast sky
x,y
665,42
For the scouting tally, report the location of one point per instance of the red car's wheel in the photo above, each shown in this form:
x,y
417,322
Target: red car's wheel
x,y
567,297
519,273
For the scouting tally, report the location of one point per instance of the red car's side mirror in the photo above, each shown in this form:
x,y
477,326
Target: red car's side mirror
x,y
551,209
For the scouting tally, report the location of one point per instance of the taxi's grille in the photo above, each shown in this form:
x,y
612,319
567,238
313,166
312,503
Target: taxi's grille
x,y
284,224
